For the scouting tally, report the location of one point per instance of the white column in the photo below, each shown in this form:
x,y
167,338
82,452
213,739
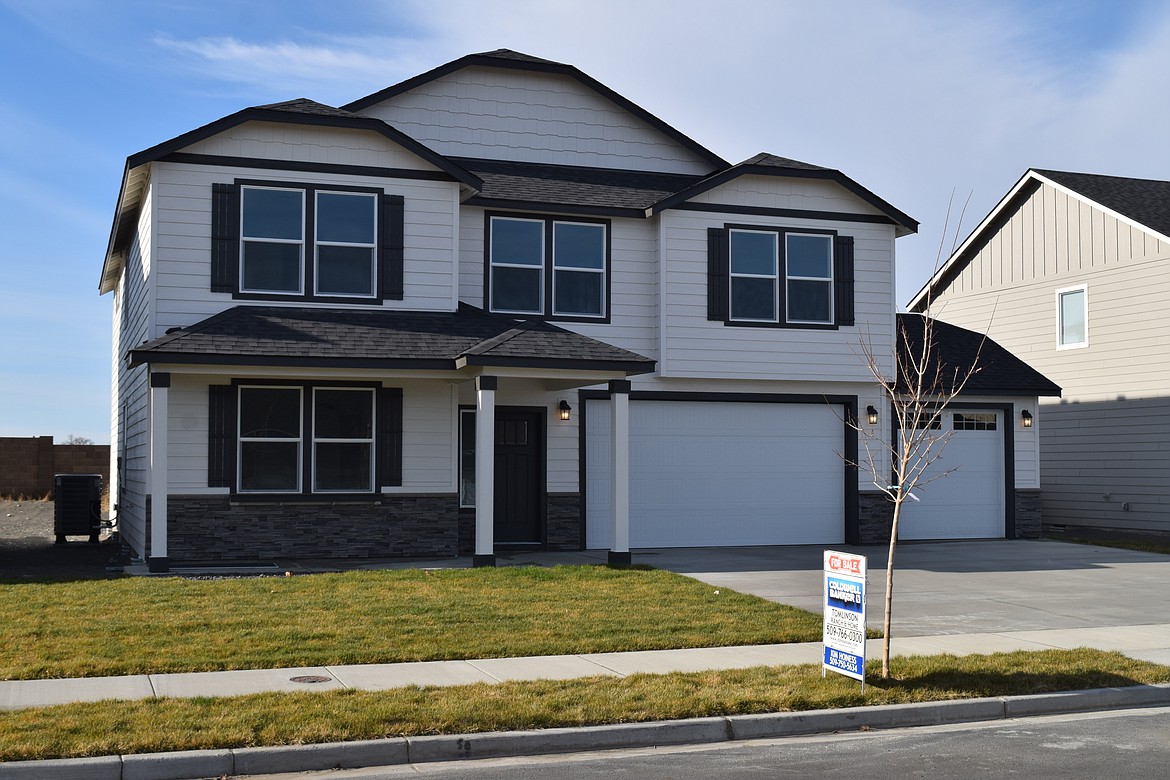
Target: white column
x,y
485,471
157,557
619,436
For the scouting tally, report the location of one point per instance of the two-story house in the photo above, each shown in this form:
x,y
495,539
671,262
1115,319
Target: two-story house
x,y
1070,271
495,305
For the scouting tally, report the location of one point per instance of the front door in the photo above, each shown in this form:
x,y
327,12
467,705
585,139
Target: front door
x,y
519,475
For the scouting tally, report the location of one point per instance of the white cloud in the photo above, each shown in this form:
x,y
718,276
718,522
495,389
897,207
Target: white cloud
x,y
913,99
337,69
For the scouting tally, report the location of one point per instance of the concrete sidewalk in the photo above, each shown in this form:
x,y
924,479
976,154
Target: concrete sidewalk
x,y
1145,642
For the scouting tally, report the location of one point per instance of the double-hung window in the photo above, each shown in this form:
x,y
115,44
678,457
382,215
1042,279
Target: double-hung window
x,y
284,446
547,267
275,241
780,277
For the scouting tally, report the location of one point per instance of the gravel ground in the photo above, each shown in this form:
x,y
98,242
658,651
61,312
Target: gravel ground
x,y
28,549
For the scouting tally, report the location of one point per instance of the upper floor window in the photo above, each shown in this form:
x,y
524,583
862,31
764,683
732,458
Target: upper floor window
x,y
275,223
782,277
275,240
1072,315
548,267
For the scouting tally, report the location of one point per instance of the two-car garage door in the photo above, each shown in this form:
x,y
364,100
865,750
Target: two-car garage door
x,y
706,473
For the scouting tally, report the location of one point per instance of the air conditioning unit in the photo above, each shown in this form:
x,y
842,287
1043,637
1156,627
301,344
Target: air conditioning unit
x,y
77,508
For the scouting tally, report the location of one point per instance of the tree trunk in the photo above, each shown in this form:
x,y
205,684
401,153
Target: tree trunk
x,y
890,586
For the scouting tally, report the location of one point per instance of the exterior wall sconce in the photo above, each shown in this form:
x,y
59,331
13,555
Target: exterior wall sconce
x,y
1026,418
872,412
565,409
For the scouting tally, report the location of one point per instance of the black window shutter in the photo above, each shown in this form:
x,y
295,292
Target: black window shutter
x,y
843,271
389,452
225,236
717,274
390,245
221,436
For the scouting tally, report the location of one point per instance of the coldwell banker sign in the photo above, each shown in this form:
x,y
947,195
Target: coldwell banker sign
x,y
844,633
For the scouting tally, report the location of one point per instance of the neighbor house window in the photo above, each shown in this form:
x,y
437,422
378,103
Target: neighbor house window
x,y
276,456
1072,317
547,267
780,277
308,241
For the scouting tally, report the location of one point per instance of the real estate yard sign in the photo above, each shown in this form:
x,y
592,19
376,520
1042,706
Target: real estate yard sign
x,y
844,631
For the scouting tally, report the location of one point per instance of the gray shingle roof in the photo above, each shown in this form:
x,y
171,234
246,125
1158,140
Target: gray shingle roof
x,y
552,185
306,106
1143,200
956,349
349,338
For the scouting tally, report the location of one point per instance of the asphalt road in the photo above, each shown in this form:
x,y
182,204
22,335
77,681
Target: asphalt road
x,y
1117,745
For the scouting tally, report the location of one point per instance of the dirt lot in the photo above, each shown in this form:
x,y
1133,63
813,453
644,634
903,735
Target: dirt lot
x,y
28,549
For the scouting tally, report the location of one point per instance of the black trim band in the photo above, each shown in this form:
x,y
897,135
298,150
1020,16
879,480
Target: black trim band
x,y
764,211
309,167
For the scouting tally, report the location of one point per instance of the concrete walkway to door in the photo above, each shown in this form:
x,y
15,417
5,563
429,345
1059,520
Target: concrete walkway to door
x,y
962,587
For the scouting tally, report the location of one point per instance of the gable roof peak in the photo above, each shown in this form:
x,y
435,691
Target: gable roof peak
x,y
303,105
516,56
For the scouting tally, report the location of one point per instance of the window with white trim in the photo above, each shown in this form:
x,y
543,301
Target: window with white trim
x,y
782,277
1072,317
275,455
545,266
337,230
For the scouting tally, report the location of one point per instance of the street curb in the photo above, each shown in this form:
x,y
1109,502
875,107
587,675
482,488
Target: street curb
x,y
397,751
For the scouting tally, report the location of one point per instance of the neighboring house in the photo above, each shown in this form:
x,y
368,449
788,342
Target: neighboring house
x,y
321,315
1071,272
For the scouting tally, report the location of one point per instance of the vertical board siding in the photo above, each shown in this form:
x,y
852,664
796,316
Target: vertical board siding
x,y
1095,440
503,114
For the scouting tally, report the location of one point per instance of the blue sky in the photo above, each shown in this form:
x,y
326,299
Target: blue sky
x,y
915,99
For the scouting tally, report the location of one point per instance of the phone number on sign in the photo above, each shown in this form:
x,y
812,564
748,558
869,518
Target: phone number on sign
x,y
844,633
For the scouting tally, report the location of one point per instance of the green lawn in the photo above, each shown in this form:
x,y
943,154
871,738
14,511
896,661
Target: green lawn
x,y
139,625
156,725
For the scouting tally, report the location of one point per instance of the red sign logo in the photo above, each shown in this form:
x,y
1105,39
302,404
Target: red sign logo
x,y
847,565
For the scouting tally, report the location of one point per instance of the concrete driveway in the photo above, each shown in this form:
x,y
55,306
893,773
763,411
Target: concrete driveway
x,y
955,587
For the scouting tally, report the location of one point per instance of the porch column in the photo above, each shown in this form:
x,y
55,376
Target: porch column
x,y
485,471
157,558
619,437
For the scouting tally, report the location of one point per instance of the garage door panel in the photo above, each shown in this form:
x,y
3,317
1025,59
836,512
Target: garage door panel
x,y
721,474
967,503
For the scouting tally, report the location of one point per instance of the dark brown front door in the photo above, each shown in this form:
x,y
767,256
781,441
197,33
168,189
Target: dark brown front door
x,y
519,475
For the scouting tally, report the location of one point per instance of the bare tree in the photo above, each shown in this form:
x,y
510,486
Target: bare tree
x,y
73,439
918,392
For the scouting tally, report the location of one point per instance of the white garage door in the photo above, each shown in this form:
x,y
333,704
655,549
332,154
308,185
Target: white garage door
x,y
721,474
967,503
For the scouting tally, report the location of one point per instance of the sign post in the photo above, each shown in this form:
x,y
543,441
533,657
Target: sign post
x,y
844,628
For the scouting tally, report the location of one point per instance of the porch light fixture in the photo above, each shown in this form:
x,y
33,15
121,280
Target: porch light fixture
x,y
1026,418
872,412
566,410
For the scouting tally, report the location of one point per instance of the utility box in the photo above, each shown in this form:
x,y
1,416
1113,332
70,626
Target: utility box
x,y
77,506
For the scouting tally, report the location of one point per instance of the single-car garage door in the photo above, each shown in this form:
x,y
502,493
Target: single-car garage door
x,y
967,503
721,474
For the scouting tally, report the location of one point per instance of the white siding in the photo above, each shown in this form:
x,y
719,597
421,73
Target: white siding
x,y
428,447
183,241
561,440
505,114
697,347
308,143
132,315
